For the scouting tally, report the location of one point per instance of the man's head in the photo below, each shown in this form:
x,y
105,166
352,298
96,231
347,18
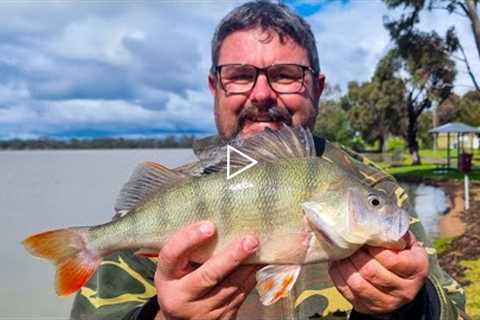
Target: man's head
x,y
282,82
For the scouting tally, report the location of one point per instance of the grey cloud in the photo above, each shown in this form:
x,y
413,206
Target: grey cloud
x,y
83,80
166,63
75,67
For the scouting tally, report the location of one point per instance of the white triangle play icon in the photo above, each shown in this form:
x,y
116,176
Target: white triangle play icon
x,y
248,166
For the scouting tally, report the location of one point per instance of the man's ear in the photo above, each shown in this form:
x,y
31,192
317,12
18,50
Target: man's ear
x,y
212,83
320,85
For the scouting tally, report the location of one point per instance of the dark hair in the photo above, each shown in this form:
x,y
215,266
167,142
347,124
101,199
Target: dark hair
x,y
268,16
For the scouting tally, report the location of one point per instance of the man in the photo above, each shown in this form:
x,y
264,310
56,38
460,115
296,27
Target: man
x,y
255,48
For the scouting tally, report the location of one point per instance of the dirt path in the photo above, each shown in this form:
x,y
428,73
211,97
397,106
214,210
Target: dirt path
x,y
467,245
451,224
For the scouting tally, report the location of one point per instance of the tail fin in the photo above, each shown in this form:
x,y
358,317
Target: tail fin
x,y
68,250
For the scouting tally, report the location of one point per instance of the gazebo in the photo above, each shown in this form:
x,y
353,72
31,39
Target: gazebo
x,y
458,128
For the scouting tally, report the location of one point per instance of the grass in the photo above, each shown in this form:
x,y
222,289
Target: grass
x,y
441,244
472,291
430,171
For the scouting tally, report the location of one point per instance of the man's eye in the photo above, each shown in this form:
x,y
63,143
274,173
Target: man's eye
x,y
239,77
285,76
289,76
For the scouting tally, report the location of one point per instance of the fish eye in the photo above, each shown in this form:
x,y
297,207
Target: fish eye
x,y
374,201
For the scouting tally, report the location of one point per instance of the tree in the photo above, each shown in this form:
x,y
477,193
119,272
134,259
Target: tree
x,y
332,123
448,111
374,107
425,124
470,108
422,61
465,8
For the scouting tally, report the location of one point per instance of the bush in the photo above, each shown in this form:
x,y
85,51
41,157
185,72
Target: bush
x,y
396,144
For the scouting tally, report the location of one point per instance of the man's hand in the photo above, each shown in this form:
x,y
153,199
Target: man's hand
x,y
214,290
379,281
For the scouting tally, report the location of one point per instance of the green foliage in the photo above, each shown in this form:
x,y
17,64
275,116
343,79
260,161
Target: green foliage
x,y
333,124
472,291
373,106
469,112
448,111
395,143
441,244
425,123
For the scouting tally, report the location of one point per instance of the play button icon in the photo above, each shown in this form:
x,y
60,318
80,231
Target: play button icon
x,y
231,149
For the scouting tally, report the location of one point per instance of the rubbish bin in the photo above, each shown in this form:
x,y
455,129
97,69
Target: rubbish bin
x,y
465,163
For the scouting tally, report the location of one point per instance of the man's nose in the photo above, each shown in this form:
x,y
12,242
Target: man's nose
x,y
262,93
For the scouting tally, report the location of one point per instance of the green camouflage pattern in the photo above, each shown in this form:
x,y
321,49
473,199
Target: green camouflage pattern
x,y
124,281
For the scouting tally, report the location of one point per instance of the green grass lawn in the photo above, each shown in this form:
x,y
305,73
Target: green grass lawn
x,y
431,172
403,169
472,291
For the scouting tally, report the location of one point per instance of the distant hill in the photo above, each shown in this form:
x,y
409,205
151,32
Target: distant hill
x,y
97,143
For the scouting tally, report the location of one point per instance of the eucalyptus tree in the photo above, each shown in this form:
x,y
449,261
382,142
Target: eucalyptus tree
x,y
374,107
423,62
467,9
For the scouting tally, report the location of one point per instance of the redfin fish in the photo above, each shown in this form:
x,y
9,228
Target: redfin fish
x,y
303,208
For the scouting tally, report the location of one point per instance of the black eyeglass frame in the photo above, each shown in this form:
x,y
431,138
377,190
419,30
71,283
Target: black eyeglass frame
x,y
264,70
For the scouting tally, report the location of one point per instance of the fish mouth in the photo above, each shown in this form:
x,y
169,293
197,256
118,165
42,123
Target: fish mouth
x,y
399,225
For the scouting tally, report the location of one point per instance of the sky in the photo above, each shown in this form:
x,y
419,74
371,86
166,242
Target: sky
x,y
71,69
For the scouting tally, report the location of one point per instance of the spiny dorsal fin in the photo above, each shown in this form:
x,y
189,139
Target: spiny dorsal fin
x,y
267,146
147,178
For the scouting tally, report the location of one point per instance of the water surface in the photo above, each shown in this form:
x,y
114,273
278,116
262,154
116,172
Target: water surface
x,y
41,190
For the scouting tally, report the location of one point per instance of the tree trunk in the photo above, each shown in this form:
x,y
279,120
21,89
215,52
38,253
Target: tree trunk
x,y
412,135
381,144
475,20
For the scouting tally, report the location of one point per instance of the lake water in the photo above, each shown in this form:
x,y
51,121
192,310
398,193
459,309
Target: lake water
x,y
41,190
430,202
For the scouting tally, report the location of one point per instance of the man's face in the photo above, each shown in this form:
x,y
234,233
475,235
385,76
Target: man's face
x,y
248,113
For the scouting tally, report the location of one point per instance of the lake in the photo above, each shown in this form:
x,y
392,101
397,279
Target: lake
x,y
41,190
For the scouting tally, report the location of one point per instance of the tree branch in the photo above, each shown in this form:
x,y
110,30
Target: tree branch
x,y
446,8
464,8
470,73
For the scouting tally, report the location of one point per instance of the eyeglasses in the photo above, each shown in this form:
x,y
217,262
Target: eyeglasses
x,y
282,78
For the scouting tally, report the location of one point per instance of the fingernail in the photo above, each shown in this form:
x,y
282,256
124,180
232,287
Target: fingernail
x,y
249,243
206,228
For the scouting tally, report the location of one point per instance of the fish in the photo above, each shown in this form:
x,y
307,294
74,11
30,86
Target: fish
x,y
303,208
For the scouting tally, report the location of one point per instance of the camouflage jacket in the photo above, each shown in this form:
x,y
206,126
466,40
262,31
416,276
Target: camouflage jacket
x,y
123,288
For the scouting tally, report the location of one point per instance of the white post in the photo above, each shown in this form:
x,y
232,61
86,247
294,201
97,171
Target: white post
x,y
467,197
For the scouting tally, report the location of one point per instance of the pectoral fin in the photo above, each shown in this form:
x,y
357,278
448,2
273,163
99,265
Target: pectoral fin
x,y
275,281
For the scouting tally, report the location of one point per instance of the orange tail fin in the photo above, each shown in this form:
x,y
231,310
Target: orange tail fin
x,y
68,250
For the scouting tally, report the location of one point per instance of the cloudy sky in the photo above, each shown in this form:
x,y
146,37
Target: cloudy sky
x,y
106,68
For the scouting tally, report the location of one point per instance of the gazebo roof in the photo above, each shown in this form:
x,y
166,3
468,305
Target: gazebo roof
x,y
455,127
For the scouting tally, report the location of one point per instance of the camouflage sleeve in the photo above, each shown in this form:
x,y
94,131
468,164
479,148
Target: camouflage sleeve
x,y
122,288
440,287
